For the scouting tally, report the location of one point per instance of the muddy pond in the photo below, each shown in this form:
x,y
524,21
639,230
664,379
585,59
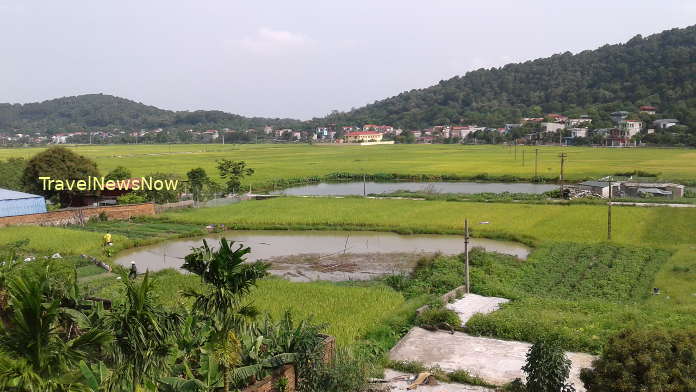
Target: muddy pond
x,y
304,256
356,188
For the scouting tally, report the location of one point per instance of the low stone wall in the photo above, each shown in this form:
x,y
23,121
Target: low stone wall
x,y
159,208
268,384
79,215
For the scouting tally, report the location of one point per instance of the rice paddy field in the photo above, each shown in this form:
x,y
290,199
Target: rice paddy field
x,y
342,309
283,162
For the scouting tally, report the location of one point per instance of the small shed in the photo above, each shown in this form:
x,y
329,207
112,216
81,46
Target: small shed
x,y
600,188
14,203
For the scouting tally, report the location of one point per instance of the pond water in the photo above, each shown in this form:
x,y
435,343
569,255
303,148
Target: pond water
x,y
321,255
356,188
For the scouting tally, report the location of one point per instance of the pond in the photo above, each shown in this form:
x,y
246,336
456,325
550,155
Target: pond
x,y
356,188
321,255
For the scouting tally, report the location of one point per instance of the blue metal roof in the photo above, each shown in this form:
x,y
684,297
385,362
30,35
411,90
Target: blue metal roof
x,y
7,194
14,203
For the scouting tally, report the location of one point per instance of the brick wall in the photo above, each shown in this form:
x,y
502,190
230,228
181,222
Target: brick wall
x,y
79,215
267,384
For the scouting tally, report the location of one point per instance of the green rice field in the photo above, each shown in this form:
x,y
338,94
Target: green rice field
x,y
283,162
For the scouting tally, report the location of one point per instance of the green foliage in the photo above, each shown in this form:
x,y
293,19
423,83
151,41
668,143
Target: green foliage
x,y
11,172
41,350
120,173
432,276
106,111
131,198
438,318
571,271
645,360
233,172
58,163
197,179
547,368
143,334
164,195
659,68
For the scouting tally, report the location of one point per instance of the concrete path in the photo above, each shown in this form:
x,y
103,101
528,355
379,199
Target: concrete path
x,y
472,304
400,381
494,360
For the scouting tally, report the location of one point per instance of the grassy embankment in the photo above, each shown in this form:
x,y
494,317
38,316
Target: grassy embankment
x,y
282,163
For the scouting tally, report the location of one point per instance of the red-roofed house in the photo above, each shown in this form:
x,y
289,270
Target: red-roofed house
x,y
648,109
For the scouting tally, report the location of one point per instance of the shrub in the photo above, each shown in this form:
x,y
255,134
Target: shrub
x,y
438,317
646,360
547,368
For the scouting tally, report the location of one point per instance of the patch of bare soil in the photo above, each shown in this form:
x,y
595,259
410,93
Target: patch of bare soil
x,y
342,266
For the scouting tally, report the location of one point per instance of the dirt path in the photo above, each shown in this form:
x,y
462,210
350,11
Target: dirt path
x,y
496,361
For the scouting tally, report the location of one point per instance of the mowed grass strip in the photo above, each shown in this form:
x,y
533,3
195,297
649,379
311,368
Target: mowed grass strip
x,y
274,162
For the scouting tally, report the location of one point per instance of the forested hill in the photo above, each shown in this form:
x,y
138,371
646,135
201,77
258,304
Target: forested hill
x,y
106,111
659,70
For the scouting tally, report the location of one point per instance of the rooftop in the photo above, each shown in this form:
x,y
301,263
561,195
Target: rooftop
x,y
6,194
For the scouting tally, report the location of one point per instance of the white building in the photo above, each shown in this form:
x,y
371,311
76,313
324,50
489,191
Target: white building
x,y
630,127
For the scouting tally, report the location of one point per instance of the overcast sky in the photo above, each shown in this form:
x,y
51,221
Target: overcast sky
x,y
294,58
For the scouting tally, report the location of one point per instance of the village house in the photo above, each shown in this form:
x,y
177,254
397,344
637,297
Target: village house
x,y
631,127
559,118
599,188
652,189
648,110
552,127
665,123
574,122
378,128
363,137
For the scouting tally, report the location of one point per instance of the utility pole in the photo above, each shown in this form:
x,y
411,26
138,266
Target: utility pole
x,y
223,138
563,156
515,150
90,137
609,213
364,185
536,164
466,252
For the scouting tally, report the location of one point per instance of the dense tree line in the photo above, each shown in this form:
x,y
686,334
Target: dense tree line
x,y
659,70
100,111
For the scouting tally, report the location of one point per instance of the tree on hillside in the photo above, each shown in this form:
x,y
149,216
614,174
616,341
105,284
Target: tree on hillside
x,y
120,173
233,172
229,280
649,360
58,163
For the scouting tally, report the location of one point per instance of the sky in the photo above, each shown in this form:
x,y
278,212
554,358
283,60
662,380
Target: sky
x,y
299,58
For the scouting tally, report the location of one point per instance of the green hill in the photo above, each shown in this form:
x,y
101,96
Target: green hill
x,y
106,111
659,70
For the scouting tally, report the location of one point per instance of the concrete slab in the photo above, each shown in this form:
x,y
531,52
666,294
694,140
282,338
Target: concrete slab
x,y
496,361
472,304
398,383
